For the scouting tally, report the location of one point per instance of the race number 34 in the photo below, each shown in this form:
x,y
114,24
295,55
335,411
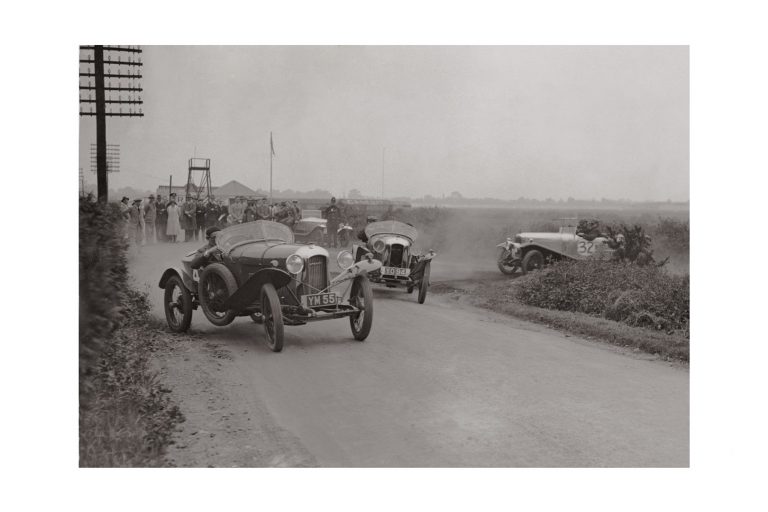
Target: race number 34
x,y
585,247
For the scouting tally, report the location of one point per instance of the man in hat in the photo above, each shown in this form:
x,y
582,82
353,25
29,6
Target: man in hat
x,y
189,218
150,216
124,207
297,210
203,254
161,220
136,222
332,215
263,209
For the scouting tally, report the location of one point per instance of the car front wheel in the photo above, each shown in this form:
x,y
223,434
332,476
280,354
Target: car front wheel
x,y
361,297
272,316
217,284
503,266
533,260
177,302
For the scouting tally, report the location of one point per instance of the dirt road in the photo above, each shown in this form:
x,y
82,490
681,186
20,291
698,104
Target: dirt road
x,y
434,385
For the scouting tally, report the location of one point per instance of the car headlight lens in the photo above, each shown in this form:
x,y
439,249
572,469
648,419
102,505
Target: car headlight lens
x,y
378,246
294,263
345,259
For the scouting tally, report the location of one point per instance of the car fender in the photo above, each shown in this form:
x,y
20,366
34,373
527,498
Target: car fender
x,y
250,290
543,249
185,278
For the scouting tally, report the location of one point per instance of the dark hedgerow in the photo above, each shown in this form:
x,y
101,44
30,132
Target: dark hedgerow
x,y
126,416
644,296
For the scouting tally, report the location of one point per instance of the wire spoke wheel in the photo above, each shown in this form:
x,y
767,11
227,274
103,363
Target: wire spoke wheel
x,y
217,284
177,303
272,316
501,262
361,297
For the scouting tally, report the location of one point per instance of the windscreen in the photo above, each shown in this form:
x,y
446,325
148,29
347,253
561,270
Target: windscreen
x,y
391,227
257,231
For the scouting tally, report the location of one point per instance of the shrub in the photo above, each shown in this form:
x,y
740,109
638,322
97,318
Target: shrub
x,y
103,279
126,419
639,296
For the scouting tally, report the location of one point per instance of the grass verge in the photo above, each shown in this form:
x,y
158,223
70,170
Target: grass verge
x,y
128,417
500,296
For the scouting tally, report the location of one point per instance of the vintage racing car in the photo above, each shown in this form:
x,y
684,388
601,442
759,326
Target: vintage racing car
x,y
531,251
391,243
256,269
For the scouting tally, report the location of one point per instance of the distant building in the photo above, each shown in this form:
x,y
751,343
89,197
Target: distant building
x,y
235,189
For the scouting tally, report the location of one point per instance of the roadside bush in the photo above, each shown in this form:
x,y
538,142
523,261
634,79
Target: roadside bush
x,y
643,296
130,417
126,418
103,278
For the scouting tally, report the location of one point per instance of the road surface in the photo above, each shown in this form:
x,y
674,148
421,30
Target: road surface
x,y
435,385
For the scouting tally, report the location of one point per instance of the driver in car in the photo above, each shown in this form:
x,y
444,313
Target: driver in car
x,y
203,254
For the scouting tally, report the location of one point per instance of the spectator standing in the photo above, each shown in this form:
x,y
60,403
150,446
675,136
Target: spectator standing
x,y
263,209
173,226
223,215
332,215
136,222
125,207
189,218
200,220
236,211
161,220
250,214
150,216
211,214
297,210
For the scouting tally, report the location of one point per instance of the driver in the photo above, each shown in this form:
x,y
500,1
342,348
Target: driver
x,y
203,254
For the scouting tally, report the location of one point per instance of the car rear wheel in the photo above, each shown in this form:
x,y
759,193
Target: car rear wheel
x,y
361,297
257,318
533,260
177,302
272,317
217,284
424,284
502,258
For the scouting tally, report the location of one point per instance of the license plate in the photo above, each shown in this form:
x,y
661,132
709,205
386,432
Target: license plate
x,y
395,271
321,299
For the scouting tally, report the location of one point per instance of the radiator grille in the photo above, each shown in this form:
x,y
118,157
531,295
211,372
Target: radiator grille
x,y
396,255
315,274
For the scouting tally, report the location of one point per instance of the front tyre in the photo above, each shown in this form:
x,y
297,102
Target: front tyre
x,y
217,284
503,266
272,316
361,297
424,284
177,303
533,260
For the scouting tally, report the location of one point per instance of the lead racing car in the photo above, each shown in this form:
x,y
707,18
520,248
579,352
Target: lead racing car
x,y
255,269
531,251
391,243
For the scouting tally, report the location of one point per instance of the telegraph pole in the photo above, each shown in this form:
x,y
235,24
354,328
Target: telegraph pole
x,y
104,96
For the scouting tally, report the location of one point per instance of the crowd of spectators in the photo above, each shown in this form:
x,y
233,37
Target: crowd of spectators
x,y
175,219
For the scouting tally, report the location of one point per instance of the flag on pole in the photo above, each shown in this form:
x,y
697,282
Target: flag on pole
x,y
271,145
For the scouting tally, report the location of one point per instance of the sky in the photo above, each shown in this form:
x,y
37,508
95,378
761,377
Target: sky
x,y
486,121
